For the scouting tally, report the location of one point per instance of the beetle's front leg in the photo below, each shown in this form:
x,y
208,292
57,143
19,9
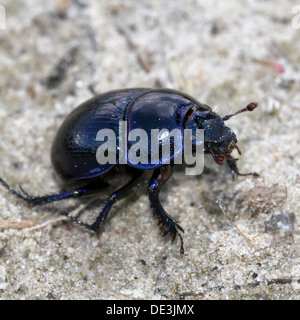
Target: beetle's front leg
x,y
235,171
159,178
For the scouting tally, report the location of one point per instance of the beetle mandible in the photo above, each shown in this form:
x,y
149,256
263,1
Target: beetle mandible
x,y
73,152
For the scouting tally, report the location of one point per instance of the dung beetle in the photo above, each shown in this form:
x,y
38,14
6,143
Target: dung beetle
x,y
75,147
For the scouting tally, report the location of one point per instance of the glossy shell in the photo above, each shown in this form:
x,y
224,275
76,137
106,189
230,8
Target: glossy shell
x,y
74,149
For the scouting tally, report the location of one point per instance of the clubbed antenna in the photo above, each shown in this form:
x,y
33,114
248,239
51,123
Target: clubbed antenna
x,y
250,107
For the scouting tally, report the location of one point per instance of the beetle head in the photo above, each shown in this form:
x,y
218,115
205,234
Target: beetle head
x,y
219,140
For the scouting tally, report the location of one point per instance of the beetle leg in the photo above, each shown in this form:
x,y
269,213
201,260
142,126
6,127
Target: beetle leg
x,y
109,202
235,171
35,200
159,178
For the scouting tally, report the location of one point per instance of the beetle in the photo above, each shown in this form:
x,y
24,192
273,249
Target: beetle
x,y
74,149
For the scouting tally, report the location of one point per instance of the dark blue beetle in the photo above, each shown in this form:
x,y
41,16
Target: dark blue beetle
x,y
74,149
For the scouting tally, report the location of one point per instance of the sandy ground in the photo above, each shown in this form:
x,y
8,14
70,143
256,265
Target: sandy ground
x,y
54,55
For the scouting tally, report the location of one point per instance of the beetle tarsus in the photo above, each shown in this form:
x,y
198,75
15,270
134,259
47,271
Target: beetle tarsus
x,y
159,178
13,191
235,171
